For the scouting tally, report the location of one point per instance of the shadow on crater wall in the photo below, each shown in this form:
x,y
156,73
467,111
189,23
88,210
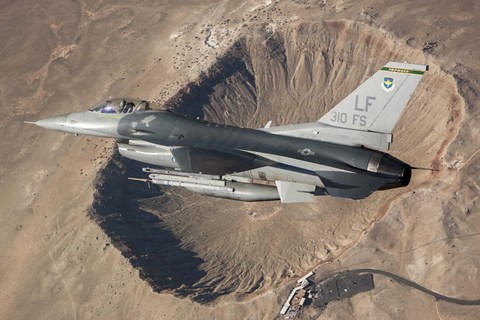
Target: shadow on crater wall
x,y
213,84
140,235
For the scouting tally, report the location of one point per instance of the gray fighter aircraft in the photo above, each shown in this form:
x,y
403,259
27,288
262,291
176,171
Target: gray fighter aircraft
x,y
339,155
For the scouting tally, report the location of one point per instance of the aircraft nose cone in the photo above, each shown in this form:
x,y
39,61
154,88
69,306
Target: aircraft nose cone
x,y
53,123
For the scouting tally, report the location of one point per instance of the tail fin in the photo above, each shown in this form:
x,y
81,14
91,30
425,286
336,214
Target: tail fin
x,y
377,104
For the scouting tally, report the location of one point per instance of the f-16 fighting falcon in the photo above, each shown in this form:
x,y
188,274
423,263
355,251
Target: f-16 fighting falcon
x,y
340,155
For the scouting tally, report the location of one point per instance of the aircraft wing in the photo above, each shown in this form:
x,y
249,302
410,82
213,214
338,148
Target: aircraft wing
x,y
216,162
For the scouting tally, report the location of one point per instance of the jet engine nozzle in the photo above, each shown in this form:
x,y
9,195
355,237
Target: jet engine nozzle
x,y
391,166
398,172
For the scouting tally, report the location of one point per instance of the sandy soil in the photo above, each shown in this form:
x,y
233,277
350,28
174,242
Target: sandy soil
x,y
79,242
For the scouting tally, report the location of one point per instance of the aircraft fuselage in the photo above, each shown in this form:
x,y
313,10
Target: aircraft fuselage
x,y
336,155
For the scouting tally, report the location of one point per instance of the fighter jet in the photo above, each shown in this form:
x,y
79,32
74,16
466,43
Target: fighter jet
x,y
341,154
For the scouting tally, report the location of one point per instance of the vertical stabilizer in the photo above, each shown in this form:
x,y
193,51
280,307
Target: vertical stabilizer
x,y
376,105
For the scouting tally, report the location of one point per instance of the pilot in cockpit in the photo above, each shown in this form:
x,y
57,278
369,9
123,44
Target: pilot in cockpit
x,y
121,106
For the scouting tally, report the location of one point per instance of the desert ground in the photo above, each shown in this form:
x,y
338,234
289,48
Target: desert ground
x,y
80,241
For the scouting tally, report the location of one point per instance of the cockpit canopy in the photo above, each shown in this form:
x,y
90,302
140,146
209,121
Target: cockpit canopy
x,y
121,105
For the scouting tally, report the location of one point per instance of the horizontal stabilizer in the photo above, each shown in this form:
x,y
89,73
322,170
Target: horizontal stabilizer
x,y
350,185
291,192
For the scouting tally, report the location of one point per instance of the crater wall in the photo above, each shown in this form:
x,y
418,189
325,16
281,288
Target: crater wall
x,y
291,75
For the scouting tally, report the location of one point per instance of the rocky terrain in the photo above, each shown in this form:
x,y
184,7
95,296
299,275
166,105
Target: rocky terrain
x,y
81,241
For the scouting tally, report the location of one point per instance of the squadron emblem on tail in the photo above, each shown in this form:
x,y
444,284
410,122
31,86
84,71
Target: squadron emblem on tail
x,y
388,84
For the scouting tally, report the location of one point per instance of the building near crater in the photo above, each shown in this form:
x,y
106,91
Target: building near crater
x,y
344,285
